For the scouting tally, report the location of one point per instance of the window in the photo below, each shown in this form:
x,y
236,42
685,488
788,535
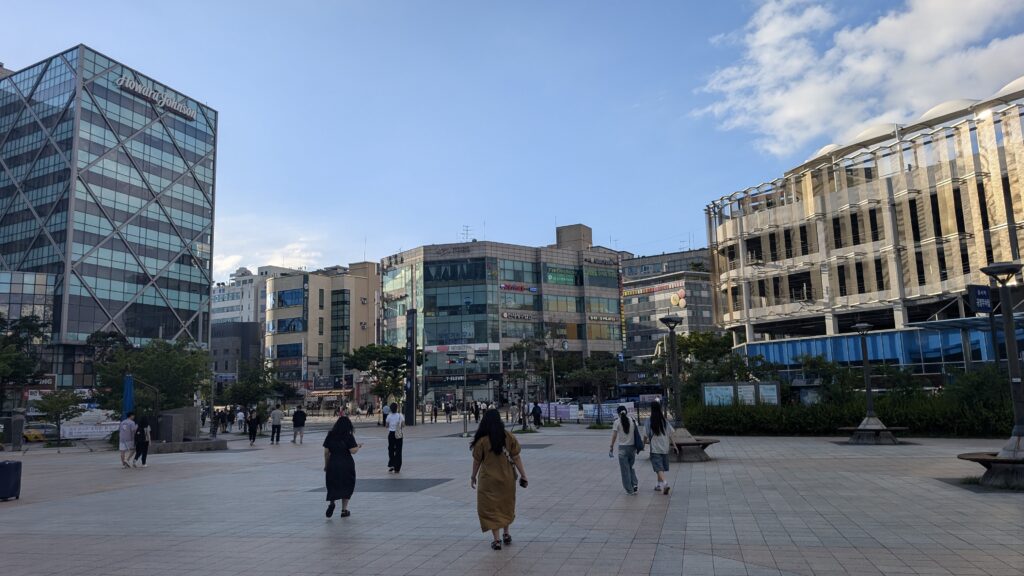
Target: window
x,y
873,222
936,217
879,275
919,260
285,298
804,248
859,270
841,273
773,247
958,210
787,240
320,351
915,227
321,300
289,350
320,325
837,232
562,275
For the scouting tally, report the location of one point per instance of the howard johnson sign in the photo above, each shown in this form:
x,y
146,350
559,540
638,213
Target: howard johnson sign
x,y
159,98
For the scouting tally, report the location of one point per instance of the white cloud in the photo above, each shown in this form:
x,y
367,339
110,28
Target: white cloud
x,y
804,76
246,240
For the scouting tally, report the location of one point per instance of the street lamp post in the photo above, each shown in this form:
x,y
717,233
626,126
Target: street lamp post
x,y
1003,272
871,429
671,322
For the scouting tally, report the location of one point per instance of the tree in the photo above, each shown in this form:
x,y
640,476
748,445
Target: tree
x,y
60,406
21,345
255,382
386,366
285,392
174,369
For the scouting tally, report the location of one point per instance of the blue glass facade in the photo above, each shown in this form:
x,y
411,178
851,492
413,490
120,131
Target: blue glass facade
x,y
107,183
925,351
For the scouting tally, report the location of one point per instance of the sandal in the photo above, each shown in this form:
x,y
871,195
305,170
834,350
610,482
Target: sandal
x,y
507,538
496,545
345,513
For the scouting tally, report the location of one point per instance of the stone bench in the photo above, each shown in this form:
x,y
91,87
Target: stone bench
x,y
885,435
999,472
693,451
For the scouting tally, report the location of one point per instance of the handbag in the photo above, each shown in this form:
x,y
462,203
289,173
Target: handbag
x,y
400,431
638,440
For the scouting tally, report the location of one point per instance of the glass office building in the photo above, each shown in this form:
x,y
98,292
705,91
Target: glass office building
x,y
107,187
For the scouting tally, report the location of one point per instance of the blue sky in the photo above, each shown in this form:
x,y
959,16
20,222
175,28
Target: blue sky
x,y
362,128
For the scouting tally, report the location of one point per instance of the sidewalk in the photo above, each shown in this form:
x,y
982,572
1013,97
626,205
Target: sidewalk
x,y
779,506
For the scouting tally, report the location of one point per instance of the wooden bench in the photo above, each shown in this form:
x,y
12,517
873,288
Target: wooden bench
x,y
694,451
873,435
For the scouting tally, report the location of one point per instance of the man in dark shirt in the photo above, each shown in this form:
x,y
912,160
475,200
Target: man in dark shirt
x,y
298,424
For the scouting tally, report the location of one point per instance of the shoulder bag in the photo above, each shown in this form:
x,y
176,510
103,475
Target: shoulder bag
x,y
638,440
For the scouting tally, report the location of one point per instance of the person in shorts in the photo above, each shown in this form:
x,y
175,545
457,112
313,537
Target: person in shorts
x,y
298,424
126,439
658,433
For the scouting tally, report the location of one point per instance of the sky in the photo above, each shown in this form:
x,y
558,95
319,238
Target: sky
x,y
351,130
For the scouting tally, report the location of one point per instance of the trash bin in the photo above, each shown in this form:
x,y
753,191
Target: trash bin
x,y
11,431
10,479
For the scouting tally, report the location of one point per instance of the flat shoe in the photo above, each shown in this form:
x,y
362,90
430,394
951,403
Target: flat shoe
x,y
330,510
345,513
665,490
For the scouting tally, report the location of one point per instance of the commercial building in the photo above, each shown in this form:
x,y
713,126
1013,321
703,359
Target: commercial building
x,y
488,296
314,318
243,298
653,287
106,204
233,347
891,229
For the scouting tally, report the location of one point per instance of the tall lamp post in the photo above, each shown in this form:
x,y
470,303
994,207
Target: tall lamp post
x,y
871,430
1003,272
671,321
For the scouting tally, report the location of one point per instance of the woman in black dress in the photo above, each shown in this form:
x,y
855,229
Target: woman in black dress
x,y
340,468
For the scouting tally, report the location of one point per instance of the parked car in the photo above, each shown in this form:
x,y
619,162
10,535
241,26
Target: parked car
x,y
39,432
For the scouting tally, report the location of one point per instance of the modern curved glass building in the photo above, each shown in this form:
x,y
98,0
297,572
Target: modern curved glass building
x,y
891,229
106,204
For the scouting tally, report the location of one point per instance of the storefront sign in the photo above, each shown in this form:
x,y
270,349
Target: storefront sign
x,y
159,98
516,316
517,288
605,261
603,318
449,250
652,289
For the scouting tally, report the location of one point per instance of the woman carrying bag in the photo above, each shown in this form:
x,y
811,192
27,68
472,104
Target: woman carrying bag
x,y
496,462
396,433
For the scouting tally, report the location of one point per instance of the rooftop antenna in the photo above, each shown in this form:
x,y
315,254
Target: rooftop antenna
x,y
466,231
364,248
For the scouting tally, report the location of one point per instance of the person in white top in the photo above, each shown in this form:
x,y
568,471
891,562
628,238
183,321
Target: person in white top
x,y
658,433
240,420
622,436
396,432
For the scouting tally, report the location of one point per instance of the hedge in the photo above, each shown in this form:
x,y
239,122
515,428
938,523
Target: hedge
x,y
923,416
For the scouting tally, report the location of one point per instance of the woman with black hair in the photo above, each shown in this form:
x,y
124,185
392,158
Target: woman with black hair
x,y
339,466
496,460
658,433
622,436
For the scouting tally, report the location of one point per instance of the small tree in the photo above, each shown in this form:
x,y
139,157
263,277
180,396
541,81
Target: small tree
x,y
60,406
386,366
255,383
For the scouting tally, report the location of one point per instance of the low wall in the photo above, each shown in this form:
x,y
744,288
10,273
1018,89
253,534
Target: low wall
x,y
194,446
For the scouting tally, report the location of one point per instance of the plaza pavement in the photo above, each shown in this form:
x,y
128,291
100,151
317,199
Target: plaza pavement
x,y
763,506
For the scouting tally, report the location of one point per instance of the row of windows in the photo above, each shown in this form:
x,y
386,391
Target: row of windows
x,y
285,298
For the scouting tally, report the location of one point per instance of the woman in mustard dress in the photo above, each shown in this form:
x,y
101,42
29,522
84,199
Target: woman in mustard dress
x,y
496,461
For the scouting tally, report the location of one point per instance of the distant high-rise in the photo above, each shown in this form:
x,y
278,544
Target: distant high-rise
x,y
106,205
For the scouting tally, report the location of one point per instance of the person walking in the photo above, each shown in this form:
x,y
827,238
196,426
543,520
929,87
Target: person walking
x,y
476,411
433,413
385,411
622,436
536,414
298,424
495,464
276,416
240,420
658,433
126,438
253,422
448,411
396,434
142,439
339,466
